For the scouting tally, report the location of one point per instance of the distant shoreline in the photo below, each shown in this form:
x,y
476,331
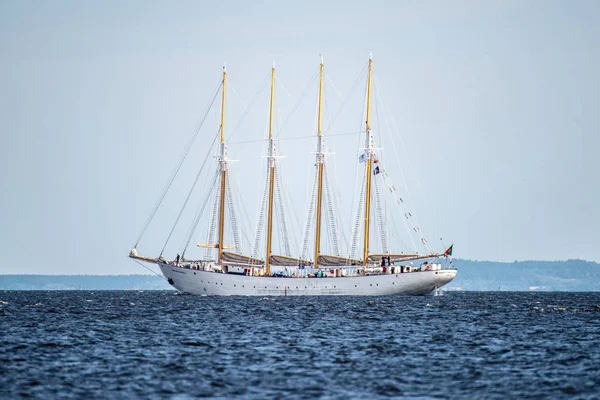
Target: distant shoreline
x,y
519,276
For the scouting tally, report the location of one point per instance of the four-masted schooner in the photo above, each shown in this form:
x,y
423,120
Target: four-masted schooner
x,y
234,273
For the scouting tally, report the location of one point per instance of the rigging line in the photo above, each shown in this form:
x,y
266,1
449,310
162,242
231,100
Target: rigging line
x,y
357,228
378,99
247,110
382,223
334,88
340,221
332,219
233,217
278,81
338,215
234,201
284,222
380,217
189,231
414,224
277,219
212,230
330,168
347,98
190,192
358,179
149,269
309,221
261,217
339,225
393,126
198,215
396,233
290,205
294,138
304,92
239,200
306,203
238,97
175,171
398,202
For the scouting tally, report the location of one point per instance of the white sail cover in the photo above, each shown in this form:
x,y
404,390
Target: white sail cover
x,y
240,259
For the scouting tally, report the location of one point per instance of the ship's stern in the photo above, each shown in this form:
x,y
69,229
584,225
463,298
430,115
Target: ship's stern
x,y
444,276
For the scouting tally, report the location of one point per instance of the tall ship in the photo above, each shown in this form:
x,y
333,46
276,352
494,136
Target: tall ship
x,y
371,261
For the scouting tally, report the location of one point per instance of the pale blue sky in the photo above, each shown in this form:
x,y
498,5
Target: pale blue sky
x,y
98,98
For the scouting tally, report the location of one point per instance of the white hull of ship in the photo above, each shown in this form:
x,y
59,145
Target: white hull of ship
x,y
219,284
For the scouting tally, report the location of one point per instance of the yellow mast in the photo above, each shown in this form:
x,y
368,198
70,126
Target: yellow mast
x,y
223,163
320,166
369,150
271,176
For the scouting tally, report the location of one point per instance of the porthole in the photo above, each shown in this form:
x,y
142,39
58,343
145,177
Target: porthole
x,y
371,284
234,285
355,285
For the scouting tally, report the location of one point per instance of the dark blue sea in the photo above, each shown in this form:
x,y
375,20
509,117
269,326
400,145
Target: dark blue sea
x,y
156,344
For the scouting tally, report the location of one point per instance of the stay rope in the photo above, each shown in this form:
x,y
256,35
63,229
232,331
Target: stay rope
x,y
149,269
298,102
182,158
249,107
409,219
199,213
190,192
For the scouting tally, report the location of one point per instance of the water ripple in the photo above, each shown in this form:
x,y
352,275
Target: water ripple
x,y
157,344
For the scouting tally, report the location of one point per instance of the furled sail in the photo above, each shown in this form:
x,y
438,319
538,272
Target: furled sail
x,y
373,258
336,261
235,258
285,261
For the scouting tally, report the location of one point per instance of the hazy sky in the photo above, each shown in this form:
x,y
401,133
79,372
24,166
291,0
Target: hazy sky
x,y
497,102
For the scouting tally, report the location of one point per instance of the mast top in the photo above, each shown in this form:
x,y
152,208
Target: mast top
x,y
370,56
224,67
321,56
